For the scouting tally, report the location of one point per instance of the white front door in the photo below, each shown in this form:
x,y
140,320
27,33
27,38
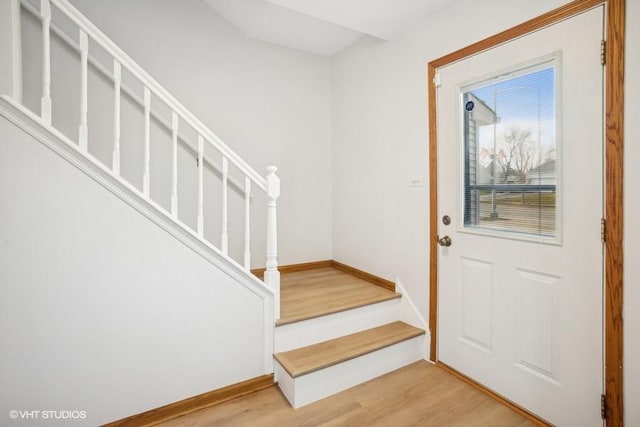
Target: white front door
x,y
520,178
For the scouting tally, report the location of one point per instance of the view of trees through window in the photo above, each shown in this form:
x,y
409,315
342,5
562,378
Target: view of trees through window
x,y
510,152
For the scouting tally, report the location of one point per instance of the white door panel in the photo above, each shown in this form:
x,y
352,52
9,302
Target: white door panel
x,y
522,313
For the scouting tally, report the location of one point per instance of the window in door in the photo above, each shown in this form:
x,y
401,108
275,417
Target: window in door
x,y
511,153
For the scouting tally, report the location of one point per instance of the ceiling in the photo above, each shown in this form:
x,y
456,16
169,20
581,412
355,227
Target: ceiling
x,y
324,27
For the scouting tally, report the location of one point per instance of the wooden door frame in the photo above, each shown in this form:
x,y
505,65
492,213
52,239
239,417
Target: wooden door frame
x,y
614,130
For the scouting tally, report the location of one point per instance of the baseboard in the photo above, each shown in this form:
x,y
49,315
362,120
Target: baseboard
x,y
195,403
293,268
528,415
379,281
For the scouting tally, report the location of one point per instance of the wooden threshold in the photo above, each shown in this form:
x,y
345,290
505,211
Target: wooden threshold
x,y
314,357
195,403
529,415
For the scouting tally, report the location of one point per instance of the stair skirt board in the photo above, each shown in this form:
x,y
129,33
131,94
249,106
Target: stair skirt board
x,y
318,329
322,383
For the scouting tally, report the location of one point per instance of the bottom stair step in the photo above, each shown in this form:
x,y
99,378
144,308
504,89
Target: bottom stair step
x,y
311,373
305,360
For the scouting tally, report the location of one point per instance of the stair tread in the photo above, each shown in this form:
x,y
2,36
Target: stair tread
x,y
311,358
337,307
309,294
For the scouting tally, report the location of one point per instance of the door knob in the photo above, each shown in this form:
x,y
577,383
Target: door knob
x,y
445,241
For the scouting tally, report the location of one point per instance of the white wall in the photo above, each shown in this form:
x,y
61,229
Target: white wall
x,y
101,310
380,141
269,104
631,216
272,106
380,138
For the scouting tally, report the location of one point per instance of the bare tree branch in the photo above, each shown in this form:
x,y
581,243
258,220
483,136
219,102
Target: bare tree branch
x,y
518,154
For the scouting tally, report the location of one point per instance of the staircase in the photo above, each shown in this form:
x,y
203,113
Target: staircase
x,y
337,331
160,114
327,327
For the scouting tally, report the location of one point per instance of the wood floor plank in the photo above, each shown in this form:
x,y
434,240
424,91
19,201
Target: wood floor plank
x,y
309,294
308,359
420,394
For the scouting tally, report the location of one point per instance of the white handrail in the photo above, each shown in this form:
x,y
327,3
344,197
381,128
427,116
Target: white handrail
x,y
99,37
142,102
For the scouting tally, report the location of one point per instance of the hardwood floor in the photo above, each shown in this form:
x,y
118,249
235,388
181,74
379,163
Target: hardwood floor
x,y
313,293
420,394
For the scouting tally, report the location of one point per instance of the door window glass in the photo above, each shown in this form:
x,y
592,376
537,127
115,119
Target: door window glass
x,y
510,152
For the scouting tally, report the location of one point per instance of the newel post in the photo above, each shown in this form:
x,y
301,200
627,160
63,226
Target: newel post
x,y
10,50
272,275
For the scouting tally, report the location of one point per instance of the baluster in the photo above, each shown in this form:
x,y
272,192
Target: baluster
x,y
272,275
16,28
146,177
83,133
11,50
200,186
174,167
225,232
117,82
247,223
45,101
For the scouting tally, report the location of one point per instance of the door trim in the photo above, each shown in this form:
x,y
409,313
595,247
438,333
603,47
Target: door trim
x,y
614,138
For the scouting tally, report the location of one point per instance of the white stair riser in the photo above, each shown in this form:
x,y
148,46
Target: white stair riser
x,y
323,328
317,385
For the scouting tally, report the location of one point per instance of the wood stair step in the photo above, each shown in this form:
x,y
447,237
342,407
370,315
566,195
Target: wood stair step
x,y
312,358
336,307
309,294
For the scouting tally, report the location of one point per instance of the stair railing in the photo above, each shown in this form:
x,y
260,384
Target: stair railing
x,y
270,184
